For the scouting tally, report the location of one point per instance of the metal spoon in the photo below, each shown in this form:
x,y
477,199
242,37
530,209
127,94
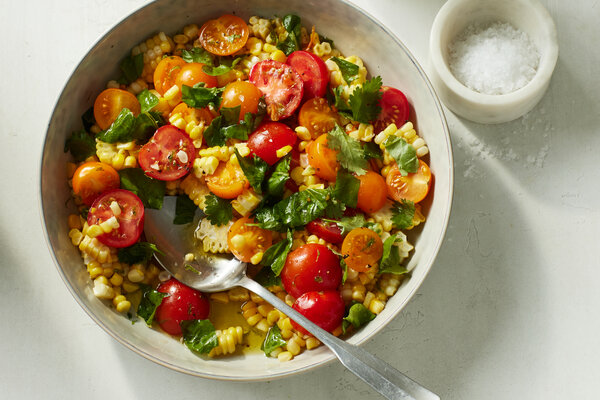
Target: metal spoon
x,y
214,273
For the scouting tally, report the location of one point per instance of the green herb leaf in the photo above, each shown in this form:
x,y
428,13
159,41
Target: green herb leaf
x,y
364,101
295,211
150,301
276,255
292,24
390,259
273,340
212,133
226,65
199,335
403,214
280,175
145,126
150,191
120,130
346,224
197,55
358,315
266,277
199,96
81,145
349,70
345,269
403,153
254,168
340,103
137,253
131,68
218,211
346,188
147,100
185,209
88,119
372,150
350,152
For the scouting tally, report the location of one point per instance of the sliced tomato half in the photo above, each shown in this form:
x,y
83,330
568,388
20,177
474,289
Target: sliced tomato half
x,y
312,70
169,155
395,109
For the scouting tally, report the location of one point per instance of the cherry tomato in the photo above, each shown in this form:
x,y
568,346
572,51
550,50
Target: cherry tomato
x,y
362,248
413,187
228,181
270,137
394,109
168,155
225,35
311,267
326,309
323,159
318,117
93,178
328,231
196,115
166,72
245,239
182,304
312,70
131,218
281,86
109,104
243,94
192,73
372,192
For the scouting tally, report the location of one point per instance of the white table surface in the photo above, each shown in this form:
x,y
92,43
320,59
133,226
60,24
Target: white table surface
x,y
509,310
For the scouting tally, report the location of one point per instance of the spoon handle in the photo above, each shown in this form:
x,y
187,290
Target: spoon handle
x,y
381,376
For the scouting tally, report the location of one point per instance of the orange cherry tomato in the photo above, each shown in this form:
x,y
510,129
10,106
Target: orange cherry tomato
x,y
196,115
192,73
372,192
243,94
253,239
413,187
228,181
225,35
362,248
323,159
109,104
317,116
166,73
93,178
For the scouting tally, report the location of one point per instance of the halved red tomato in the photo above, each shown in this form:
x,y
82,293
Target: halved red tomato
x,y
270,137
225,35
131,217
169,155
328,231
394,109
312,70
281,85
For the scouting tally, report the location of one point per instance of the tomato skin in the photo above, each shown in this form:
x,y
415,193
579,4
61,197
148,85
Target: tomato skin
x,y
131,219
323,159
270,137
243,94
372,192
228,181
225,35
311,267
255,239
395,109
312,70
413,187
109,104
318,117
328,231
182,304
93,178
168,155
166,72
192,73
326,309
362,248
281,85
193,114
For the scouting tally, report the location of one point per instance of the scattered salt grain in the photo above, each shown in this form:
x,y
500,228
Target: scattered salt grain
x,y
493,59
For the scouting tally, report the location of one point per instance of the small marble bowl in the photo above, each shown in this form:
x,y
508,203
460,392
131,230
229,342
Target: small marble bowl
x,y
529,16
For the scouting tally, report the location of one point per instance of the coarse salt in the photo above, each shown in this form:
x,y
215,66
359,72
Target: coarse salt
x,y
496,58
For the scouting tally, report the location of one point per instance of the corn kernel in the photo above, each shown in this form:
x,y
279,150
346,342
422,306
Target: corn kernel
x,y
257,258
172,93
135,275
284,356
278,55
303,133
116,279
129,287
130,162
93,231
123,306
220,297
283,151
269,48
312,343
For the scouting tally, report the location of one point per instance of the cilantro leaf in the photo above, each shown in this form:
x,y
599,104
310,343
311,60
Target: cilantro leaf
x,y
346,188
292,24
218,211
254,168
372,150
212,133
346,224
137,253
339,102
131,68
185,209
197,55
199,335
390,259
147,100
403,153
358,315
150,301
150,191
226,65
350,153
273,340
403,214
364,101
81,145
281,174
349,70
120,130
294,211
198,96
276,255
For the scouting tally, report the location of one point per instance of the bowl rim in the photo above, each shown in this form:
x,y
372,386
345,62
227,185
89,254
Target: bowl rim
x,y
448,202
530,90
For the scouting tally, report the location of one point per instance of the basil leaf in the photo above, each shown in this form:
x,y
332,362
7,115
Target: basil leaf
x,y
346,188
88,119
276,255
292,24
266,277
224,67
295,211
131,68
120,130
349,70
403,214
185,209
364,101
147,100
137,253
145,126
372,150
199,335
254,168
350,153
217,210
358,315
403,153
150,191
81,145
212,133
273,340
390,259
150,301
280,175
199,96
197,55
239,131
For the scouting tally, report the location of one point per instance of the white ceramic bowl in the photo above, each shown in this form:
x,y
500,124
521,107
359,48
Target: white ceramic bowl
x,y
529,16
389,58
